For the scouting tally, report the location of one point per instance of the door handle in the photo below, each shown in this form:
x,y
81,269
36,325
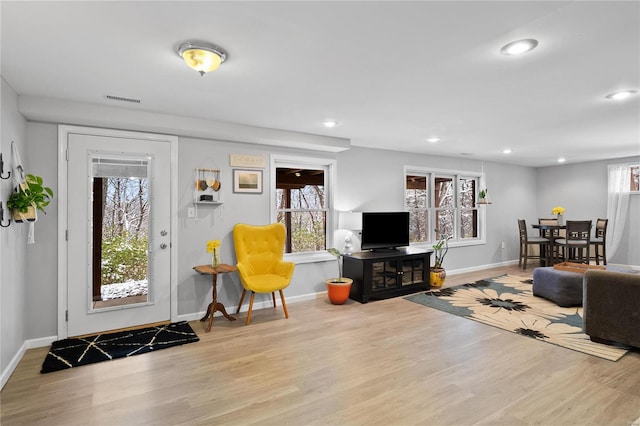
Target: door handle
x,y
163,246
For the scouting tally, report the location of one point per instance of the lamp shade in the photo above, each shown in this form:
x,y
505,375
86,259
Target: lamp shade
x,y
202,57
350,220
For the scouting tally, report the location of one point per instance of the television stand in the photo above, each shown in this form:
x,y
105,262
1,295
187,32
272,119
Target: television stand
x,y
381,275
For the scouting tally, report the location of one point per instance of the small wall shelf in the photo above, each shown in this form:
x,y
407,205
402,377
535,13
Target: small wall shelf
x,y
207,187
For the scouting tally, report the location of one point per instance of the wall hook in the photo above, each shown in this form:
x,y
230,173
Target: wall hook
x,y
2,169
2,217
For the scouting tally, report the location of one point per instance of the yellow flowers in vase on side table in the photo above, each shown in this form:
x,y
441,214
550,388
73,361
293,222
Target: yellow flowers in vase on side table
x,y
559,212
212,248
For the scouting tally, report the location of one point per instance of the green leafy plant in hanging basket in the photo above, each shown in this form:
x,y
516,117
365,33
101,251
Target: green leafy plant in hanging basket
x,y
30,194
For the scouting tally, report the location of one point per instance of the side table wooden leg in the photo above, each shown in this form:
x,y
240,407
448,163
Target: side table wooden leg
x,y
220,307
209,313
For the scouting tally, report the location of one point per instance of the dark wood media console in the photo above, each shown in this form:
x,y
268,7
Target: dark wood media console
x,y
384,274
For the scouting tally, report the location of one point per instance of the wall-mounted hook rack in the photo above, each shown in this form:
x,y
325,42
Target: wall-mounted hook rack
x,y
2,217
2,169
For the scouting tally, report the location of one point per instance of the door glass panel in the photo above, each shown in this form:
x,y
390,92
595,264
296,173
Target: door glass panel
x,y
120,208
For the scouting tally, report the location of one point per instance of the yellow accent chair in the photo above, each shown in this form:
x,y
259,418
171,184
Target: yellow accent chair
x,y
259,250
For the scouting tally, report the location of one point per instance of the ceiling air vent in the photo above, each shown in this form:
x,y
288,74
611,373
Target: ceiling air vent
x,y
121,99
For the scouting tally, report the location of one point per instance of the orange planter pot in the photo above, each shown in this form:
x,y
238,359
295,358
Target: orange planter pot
x,y
338,292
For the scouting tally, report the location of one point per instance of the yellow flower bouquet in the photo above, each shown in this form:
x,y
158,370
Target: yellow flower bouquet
x,y
212,247
557,210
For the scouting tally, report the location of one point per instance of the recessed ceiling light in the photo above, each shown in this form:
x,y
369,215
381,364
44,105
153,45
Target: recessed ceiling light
x,y
621,95
330,123
561,160
507,151
519,47
433,140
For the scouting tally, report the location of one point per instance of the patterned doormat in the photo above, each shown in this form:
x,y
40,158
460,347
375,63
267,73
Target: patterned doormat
x,y
507,302
77,351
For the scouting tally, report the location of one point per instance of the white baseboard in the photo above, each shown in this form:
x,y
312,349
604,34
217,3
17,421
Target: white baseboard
x,y
480,268
256,305
28,344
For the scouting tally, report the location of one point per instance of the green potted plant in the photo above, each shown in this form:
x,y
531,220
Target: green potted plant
x,y
29,197
338,289
484,197
437,274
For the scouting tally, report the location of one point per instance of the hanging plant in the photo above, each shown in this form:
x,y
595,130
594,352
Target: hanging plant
x,y
30,195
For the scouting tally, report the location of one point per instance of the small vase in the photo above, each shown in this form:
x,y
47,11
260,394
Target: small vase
x,y
437,277
214,259
560,219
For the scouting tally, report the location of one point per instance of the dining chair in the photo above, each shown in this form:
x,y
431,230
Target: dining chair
x,y
549,252
259,250
526,241
575,245
600,241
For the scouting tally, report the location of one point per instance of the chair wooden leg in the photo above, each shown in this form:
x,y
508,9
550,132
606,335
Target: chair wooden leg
x,y
284,305
520,257
604,254
273,296
241,299
526,254
250,308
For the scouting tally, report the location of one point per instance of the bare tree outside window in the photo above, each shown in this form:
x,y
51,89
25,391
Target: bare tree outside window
x,y
468,209
444,203
635,178
441,205
301,207
417,203
124,229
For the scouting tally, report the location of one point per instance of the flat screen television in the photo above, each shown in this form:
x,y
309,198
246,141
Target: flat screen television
x,y
384,230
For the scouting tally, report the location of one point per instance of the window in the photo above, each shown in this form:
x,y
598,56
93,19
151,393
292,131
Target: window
x,y
302,202
442,203
635,178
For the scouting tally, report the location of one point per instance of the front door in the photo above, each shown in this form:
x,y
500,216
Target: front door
x,y
118,221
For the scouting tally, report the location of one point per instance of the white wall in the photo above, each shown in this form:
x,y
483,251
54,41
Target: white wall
x,y
370,180
582,190
216,222
13,243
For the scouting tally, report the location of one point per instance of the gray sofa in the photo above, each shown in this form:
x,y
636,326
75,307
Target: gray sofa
x,y
611,302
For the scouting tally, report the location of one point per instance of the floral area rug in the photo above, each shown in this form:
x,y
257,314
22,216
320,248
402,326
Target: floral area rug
x,y
507,302
76,351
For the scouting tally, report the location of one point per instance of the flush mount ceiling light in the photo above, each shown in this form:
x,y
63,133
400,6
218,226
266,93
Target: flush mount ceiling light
x,y
561,160
519,47
433,140
202,57
621,95
330,123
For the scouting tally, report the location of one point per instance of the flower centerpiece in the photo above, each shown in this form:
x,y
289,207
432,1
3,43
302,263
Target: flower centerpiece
x,y
212,247
559,212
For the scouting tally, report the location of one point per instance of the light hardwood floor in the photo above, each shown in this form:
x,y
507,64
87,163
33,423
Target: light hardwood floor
x,y
389,362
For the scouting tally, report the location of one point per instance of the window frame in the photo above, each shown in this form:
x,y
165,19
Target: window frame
x,y
329,167
457,175
631,167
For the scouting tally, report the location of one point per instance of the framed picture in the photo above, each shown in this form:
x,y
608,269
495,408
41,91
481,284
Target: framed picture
x,y
247,181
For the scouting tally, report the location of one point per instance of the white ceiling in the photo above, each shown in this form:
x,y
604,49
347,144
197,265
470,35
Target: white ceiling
x,y
391,73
